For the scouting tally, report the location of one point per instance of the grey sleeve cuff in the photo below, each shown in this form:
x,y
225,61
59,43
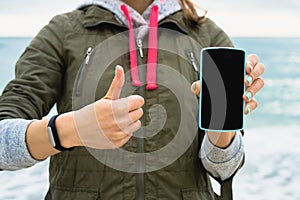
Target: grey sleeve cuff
x,y
222,163
14,154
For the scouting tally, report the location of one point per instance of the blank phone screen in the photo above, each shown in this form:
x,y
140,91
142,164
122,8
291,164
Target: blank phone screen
x,y
222,88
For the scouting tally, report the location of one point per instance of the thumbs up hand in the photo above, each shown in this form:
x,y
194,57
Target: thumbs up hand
x,y
109,122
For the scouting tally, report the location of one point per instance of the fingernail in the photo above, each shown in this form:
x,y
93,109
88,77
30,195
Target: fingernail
x,y
249,79
248,95
116,68
250,67
248,109
194,86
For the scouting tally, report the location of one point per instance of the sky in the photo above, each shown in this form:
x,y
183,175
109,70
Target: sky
x,y
239,18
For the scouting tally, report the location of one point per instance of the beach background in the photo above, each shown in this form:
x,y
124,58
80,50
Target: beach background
x,y
272,167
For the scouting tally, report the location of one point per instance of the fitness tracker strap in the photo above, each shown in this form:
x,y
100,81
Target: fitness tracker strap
x,y
53,136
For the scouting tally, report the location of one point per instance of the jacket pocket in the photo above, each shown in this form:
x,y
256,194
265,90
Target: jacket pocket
x,y
198,194
82,71
67,193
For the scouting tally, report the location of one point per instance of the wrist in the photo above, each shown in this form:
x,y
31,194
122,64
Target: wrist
x,y
221,139
66,130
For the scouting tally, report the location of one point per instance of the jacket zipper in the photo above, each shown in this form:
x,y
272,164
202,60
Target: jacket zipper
x,y
192,59
83,68
140,141
139,44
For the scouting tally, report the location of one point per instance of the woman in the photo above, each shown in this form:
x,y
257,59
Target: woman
x,y
71,62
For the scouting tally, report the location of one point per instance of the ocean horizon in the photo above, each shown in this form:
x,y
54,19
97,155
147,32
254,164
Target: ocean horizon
x,y
271,170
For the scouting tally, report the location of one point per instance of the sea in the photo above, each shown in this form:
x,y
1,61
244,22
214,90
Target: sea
x,y
272,138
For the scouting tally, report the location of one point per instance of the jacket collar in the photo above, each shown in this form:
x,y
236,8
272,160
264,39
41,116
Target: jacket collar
x,y
96,16
177,19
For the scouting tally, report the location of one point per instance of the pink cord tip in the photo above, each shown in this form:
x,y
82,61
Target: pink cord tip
x,y
151,86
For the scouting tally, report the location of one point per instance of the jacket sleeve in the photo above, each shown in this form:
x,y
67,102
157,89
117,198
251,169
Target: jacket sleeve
x,y
13,149
222,163
38,75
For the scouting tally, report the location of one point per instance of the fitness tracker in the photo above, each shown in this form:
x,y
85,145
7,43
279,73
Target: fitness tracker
x,y
53,136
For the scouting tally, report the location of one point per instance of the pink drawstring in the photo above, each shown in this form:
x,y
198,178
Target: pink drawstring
x,y
132,49
152,49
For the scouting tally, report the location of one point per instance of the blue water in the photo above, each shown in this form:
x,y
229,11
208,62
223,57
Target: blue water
x,y
10,50
272,138
279,100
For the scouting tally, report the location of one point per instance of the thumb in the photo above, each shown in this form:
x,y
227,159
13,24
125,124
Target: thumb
x,y
116,85
195,87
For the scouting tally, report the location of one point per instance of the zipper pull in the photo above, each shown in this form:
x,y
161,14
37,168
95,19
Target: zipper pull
x,y
193,60
139,44
83,69
88,55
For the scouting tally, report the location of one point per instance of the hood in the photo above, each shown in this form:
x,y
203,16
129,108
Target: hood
x,y
140,21
139,25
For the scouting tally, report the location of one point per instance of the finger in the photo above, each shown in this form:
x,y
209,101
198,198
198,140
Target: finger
x,y
124,105
257,85
252,60
248,80
195,87
129,130
258,70
130,118
115,89
125,132
135,115
250,106
249,67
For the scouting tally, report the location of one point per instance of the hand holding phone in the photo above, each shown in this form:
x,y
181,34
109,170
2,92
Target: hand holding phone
x,y
222,72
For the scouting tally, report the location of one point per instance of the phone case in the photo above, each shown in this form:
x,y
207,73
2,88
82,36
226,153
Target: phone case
x,y
200,97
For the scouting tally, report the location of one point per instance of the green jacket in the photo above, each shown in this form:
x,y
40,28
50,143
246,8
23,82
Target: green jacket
x,y
54,69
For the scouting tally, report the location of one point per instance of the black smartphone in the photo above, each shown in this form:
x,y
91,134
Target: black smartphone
x,y
222,72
